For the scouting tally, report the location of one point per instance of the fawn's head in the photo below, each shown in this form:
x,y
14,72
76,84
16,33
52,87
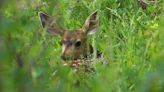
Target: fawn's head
x,y
74,42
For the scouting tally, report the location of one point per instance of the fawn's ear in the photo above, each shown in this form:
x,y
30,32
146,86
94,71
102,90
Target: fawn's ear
x,y
49,24
91,23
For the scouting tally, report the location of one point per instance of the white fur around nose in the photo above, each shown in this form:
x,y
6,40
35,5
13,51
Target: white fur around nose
x,y
63,49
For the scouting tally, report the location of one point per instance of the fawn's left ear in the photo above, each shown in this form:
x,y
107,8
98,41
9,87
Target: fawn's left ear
x,y
50,24
91,24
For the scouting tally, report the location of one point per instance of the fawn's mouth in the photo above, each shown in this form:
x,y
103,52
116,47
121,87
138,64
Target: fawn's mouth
x,y
69,58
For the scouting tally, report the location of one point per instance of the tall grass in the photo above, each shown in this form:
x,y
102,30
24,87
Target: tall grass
x,y
130,37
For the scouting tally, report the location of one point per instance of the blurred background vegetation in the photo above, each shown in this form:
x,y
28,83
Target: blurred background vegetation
x,y
130,35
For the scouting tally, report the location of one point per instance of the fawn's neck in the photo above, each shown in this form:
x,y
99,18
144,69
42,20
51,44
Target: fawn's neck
x,y
89,52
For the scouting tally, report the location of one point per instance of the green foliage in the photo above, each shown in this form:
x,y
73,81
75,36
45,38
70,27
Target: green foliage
x,y
130,37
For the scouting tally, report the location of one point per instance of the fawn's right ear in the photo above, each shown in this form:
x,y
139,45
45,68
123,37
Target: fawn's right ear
x,y
91,24
50,25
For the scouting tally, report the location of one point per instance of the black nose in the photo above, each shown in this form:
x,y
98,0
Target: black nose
x,y
63,57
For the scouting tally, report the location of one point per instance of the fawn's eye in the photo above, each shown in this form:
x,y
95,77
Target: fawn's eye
x,y
78,44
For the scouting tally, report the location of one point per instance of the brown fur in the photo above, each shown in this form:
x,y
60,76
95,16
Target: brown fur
x,y
69,40
74,42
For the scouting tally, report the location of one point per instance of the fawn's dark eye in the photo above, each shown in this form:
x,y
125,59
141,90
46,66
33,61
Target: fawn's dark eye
x,y
78,44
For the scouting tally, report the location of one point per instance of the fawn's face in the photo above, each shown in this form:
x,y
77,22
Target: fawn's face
x,y
74,42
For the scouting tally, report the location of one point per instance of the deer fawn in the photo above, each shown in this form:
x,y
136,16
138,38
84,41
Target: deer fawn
x,y
74,42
